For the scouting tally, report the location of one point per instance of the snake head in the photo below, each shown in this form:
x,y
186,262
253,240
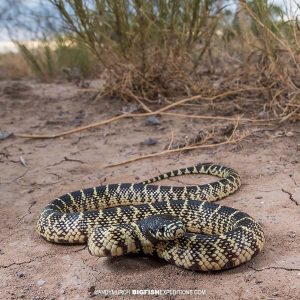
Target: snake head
x,y
162,228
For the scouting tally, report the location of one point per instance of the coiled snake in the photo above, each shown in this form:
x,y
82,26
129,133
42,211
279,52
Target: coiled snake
x,y
179,224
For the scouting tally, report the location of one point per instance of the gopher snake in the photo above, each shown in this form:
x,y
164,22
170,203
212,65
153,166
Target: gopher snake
x,y
179,224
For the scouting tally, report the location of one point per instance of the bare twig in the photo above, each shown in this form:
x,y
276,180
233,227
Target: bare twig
x,y
222,95
171,140
232,141
161,111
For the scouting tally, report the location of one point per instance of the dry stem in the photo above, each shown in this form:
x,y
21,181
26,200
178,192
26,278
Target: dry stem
x,y
151,113
169,151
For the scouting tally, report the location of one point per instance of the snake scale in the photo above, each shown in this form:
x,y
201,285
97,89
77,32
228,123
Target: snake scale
x,y
178,223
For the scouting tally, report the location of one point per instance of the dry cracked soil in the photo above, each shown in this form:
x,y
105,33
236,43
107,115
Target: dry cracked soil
x,y
34,171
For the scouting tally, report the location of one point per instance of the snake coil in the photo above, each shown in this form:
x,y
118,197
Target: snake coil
x,y
178,223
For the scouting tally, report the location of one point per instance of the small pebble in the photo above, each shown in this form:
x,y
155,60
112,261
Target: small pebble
x,y
4,135
152,121
20,274
150,142
292,234
129,109
40,282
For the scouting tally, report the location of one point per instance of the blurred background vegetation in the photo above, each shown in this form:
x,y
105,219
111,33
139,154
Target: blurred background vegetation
x,y
165,49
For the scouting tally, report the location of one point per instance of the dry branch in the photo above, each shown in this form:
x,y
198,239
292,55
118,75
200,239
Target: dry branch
x,y
151,113
169,151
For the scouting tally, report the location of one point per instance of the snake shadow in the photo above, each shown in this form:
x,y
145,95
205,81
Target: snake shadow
x,y
134,263
139,263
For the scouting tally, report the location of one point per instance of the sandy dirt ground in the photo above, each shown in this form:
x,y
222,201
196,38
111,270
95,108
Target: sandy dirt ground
x,y
31,268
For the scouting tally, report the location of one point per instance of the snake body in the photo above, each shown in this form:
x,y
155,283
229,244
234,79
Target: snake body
x,y
178,223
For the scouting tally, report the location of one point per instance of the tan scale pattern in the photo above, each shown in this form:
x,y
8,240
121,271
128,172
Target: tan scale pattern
x,y
108,218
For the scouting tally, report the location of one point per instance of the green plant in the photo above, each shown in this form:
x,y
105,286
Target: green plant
x,y
75,56
49,58
155,51
150,48
40,60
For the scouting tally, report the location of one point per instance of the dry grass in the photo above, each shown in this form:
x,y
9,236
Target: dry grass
x,y
13,66
160,52
164,51
47,60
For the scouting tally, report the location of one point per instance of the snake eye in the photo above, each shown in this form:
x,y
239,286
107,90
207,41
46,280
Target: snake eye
x,y
162,229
